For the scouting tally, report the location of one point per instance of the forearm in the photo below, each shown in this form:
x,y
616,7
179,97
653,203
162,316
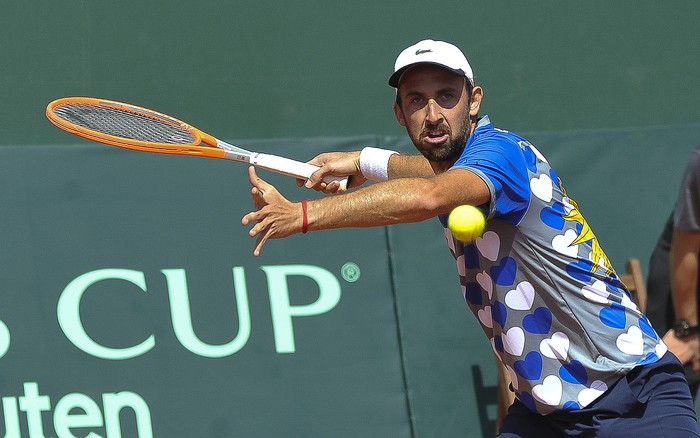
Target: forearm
x,y
371,163
684,275
391,202
407,166
400,200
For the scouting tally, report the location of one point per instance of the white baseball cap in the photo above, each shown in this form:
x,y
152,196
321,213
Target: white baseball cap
x,y
432,52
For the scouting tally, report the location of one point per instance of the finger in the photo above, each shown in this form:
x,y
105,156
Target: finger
x,y
258,200
315,180
337,187
258,182
245,220
252,176
249,218
259,243
331,187
261,225
356,181
257,215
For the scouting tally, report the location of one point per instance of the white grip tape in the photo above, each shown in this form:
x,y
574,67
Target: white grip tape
x,y
292,168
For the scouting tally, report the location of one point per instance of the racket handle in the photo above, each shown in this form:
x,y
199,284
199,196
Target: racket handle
x,y
292,168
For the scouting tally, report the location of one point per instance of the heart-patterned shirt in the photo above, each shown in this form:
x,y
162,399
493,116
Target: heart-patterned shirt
x,y
537,279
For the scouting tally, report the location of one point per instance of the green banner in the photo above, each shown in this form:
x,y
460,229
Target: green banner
x,y
132,305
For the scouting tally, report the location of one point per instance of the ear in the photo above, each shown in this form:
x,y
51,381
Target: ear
x,y
475,102
399,115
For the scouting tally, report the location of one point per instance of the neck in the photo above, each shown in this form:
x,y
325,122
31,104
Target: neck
x,y
443,166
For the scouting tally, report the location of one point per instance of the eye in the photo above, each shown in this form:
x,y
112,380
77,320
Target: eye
x,y
418,101
446,97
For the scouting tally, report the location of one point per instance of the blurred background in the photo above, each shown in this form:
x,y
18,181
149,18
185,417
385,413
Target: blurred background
x,y
608,91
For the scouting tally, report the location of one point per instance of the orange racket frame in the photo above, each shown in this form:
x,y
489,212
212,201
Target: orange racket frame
x,y
201,144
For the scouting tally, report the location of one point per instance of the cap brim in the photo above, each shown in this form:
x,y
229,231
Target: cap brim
x,y
394,79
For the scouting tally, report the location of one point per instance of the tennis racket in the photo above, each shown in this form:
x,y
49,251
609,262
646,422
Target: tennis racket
x,y
133,127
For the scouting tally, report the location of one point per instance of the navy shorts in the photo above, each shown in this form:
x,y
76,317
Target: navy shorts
x,y
650,401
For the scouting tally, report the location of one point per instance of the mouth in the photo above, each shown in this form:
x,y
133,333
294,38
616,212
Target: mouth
x,y
436,136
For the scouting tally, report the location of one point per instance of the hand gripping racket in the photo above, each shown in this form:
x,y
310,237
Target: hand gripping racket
x,y
132,127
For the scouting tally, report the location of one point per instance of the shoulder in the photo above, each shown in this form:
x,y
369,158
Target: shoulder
x,y
691,178
495,136
497,145
694,160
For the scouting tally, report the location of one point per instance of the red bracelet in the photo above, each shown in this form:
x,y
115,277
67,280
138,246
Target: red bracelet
x,y
305,223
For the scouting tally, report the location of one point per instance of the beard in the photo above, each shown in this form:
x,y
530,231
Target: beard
x,y
447,152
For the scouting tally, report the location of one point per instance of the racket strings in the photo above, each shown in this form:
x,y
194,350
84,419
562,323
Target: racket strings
x,y
124,124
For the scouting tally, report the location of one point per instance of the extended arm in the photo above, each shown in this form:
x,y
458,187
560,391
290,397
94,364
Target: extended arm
x,y
395,201
684,274
685,247
348,164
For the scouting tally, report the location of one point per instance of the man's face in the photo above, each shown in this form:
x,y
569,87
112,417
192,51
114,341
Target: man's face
x,y
435,109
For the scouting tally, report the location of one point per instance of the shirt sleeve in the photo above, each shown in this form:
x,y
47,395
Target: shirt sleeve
x,y
687,212
502,164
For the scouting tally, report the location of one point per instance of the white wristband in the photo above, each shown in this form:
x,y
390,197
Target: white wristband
x,y
374,163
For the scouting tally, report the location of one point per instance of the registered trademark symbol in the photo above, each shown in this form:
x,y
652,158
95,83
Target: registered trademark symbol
x,y
4,339
350,272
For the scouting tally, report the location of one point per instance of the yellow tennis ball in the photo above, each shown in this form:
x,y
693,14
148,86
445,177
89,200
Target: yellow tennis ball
x,y
466,223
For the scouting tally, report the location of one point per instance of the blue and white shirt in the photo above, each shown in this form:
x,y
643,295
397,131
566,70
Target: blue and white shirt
x,y
537,279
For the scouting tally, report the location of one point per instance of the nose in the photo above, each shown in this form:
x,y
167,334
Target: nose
x,y
434,112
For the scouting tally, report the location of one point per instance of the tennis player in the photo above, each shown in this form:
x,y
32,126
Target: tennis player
x,y
583,359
